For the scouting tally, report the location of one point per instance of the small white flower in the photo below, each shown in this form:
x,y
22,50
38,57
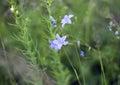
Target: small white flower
x,y
111,23
17,12
78,43
12,8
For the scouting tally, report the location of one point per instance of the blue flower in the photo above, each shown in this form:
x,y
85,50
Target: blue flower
x,y
58,43
66,19
53,22
116,33
54,44
82,53
108,28
61,40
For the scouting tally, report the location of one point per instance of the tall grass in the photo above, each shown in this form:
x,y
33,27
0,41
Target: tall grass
x,y
51,34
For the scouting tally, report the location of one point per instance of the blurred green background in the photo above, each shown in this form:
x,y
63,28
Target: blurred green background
x,y
91,17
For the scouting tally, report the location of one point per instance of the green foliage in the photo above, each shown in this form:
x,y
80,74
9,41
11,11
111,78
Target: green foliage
x,y
26,27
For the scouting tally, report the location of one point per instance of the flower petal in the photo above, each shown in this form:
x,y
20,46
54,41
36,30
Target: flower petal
x,y
52,19
71,15
64,38
58,36
65,43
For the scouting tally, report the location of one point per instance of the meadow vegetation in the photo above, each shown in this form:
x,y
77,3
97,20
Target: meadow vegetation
x,y
59,42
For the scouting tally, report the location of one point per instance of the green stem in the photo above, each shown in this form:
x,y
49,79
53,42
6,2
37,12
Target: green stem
x,y
80,66
101,64
76,74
